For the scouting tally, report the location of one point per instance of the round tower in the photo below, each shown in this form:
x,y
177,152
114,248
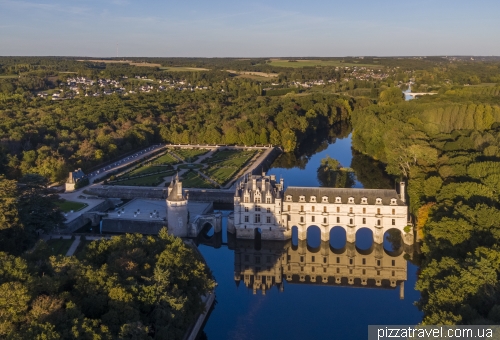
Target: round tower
x,y
177,210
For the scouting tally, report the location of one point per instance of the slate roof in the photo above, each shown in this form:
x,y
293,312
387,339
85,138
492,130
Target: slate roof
x,y
344,193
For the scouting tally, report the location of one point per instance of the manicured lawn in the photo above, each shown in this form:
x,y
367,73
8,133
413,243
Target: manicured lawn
x,y
190,154
67,206
59,247
192,179
152,180
145,170
165,159
221,175
190,166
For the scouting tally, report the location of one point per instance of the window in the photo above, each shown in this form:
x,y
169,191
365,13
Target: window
x,y
288,208
268,199
338,200
379,201
268,219
364,271
378,272
246,218
378,222
324,270
257,199
324,209
393,273
324,259
363,200
364,210
325,199
338,270
312,269
301,208
257,259
394,211
364,261
302,259
378,263
393,222
313,208
364,220
268,210
350,221
378,211
257,208
324,220
257,218
351,199
350,210
247,258
246,209
301,219
313,198
313,259
246,199
289,198
350,271
338,209
312,219
393,263
338,259
302,198
350,261
338,219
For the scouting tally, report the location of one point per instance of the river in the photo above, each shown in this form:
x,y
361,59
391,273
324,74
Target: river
x,y
295,308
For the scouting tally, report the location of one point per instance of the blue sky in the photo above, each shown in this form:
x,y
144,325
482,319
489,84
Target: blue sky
x,y
189,28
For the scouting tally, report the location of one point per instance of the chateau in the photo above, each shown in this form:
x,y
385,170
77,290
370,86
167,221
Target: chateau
x,y
263,208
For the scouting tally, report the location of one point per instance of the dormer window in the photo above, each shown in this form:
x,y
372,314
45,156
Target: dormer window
x,y
313,198
338,200
378,201
289,198
393,201
325,199
364,200
351,199
302,198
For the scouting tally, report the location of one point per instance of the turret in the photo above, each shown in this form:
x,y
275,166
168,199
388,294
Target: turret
x,y
402,191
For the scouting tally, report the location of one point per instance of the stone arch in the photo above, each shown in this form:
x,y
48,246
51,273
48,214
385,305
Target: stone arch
x,y
393,242
364,240
313,238
295,237
338,240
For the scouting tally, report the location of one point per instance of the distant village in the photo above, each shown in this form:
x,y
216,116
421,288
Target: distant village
x,y
81,86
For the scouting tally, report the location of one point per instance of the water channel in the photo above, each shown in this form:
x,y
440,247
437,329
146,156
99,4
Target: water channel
x,y
295,306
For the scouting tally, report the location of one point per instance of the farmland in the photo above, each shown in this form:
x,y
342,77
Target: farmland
x,y
317,63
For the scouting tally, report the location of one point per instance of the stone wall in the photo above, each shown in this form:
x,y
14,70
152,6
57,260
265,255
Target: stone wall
x,y
85,218
265,163
132,226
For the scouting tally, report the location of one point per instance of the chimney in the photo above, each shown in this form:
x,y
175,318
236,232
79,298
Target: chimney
x,y
254,184
402,191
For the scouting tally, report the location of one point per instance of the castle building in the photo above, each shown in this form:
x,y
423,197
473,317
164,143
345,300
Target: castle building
x,y
73,178
177,209
263,208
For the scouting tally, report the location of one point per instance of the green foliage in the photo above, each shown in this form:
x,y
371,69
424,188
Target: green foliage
x,y
129,287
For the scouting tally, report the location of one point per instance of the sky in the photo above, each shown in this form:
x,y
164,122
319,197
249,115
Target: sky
x,y
222,28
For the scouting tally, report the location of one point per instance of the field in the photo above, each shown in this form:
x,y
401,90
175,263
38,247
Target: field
x,y
67,206
221,175
59,247
256,74
315,63
190,154
183,69
5,76
192,179
106,61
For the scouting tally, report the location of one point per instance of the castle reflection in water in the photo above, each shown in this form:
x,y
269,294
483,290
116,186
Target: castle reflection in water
x,y
261,265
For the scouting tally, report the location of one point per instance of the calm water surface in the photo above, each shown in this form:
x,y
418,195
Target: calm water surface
x,y
301,310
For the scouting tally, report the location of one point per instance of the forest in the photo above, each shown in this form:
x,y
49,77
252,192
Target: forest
x,y
447,148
